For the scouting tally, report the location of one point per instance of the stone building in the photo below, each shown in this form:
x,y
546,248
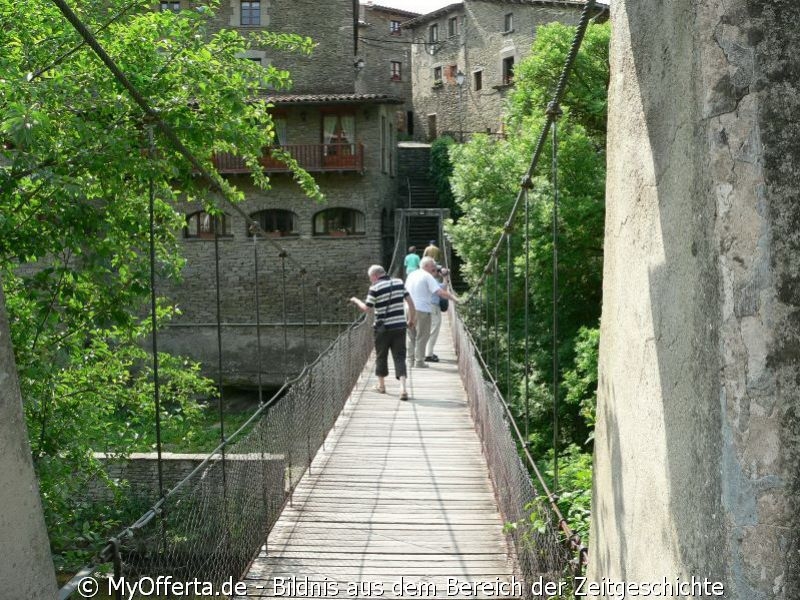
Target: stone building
x,y
482,40
384,46
342,134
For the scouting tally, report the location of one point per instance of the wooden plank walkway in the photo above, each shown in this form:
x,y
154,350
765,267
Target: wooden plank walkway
x,y
400,490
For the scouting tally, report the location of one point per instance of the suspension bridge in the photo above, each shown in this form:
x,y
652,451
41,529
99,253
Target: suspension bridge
x,y
332,490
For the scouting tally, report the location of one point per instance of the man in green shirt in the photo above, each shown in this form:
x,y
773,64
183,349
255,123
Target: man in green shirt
x,y
411,261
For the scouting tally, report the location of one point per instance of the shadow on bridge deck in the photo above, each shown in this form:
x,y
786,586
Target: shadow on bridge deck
x,y
399,495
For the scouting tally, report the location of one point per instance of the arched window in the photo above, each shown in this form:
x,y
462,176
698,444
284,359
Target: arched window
x,y
339,221
200,224
276,221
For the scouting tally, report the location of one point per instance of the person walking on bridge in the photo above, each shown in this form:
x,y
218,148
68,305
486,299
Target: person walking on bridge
x,y
433,251
423,286
411,261
385,299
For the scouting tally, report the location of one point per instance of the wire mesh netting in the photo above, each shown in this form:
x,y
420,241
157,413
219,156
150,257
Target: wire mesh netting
x,y
212,523
534,526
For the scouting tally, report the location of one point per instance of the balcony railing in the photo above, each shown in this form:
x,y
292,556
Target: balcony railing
x,y
312,157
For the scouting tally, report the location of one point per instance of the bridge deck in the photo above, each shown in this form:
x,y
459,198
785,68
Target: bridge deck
x,y
401,489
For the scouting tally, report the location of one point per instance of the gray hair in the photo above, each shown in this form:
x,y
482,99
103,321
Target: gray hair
x,y
428,260
376,270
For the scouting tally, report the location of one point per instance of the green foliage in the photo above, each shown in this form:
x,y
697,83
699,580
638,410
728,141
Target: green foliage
x,y
580,382
76,166
574,487
441,169
536,77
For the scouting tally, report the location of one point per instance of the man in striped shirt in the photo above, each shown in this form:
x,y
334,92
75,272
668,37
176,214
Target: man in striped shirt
x,y
386,299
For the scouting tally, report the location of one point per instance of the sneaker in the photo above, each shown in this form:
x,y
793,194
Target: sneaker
x,y
432,358
421,365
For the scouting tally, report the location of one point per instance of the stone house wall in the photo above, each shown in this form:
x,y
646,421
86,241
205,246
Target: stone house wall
x,y
329,69
379,47
337,264
479,46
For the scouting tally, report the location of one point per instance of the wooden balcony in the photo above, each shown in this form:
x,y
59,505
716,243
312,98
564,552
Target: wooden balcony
x,y
314,158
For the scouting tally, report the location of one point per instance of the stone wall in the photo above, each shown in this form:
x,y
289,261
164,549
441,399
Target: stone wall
x,y
480,46
697,447
329,24
140,471
337,264
379,48
26,568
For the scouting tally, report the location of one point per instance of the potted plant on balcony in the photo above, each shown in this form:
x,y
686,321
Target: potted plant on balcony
x,y
339,232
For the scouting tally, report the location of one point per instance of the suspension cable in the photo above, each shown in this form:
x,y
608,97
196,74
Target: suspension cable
x,y
556,114
509,269
527,365
496,336
282,256
303,304
257,293
153,314
217,222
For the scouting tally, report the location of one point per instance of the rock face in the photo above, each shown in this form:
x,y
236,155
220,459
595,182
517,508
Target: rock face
x,y
697,462
26,569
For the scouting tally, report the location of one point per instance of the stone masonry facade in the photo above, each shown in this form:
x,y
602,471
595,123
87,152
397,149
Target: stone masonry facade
x,y
302,296
482,39
386,50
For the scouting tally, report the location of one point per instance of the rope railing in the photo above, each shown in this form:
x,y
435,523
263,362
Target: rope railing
x,y
545,545
213,522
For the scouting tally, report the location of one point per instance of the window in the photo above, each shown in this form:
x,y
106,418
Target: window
x,y
397,70
433,33
508,22
477,80
508,70
394,27
203,225
432,130
173,6
251,12
339,139
338,222
276,222
255,59
452,26
450,73
281,137
338,132
437,75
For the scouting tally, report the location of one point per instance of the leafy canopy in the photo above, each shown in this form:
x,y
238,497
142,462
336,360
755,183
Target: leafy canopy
x,y
76,170
485,182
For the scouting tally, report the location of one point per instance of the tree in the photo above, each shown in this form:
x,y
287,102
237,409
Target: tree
x,y
485,183
76,168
